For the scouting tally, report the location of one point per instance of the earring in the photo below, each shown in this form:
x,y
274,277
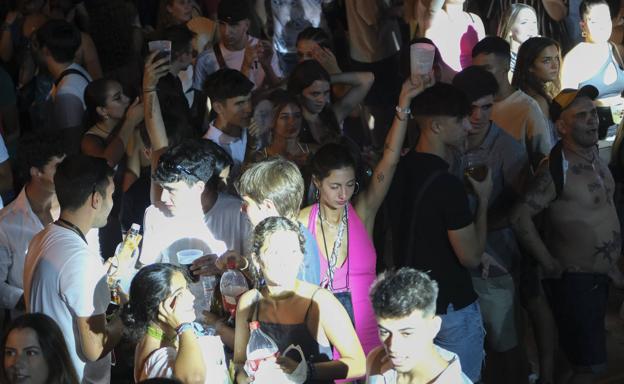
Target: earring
x,y
357,188
316,194
584,34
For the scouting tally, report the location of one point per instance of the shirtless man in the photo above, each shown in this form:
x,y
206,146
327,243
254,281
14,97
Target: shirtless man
x,y
582,241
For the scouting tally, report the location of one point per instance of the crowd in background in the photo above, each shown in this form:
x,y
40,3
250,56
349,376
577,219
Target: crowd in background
x,y
460,223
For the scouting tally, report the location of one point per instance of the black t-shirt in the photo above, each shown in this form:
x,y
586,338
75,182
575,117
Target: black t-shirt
x,y
444,206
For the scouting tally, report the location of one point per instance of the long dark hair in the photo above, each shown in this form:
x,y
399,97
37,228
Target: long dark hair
x,y
95,96
149,287
302,76
524,79
60,367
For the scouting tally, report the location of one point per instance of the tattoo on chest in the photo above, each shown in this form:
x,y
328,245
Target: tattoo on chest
x,y
610,249
593,187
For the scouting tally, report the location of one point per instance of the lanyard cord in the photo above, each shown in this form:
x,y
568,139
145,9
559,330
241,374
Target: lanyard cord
x,y
71,226
332,260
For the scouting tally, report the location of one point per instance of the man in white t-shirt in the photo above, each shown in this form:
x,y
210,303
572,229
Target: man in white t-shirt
x,y
238,50
28,214
55,44
514,111
407,325
230,94
66,280
182,171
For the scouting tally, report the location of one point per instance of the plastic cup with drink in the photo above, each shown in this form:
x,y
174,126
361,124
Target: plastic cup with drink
x,y
421,59
475,166
163,47
186,259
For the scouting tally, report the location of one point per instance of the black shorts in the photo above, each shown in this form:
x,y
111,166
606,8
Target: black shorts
x,y
579,304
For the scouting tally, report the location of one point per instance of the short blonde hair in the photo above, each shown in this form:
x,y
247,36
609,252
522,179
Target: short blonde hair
x,y
275,179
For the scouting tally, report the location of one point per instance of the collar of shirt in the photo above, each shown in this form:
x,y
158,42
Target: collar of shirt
x,y
218,136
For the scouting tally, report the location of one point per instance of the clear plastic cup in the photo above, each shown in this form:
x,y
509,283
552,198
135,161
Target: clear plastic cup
x,y
186,258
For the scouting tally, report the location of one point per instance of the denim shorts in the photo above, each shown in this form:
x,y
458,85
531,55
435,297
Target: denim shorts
x,y
462,332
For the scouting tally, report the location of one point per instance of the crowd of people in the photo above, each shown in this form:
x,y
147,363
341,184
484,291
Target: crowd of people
x,y
392,224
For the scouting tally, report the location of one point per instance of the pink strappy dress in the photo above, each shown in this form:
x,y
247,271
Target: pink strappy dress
x,y
360,269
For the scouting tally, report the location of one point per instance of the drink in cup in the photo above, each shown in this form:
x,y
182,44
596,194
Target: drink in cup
x,y
476,167
163,47
186,258
421,58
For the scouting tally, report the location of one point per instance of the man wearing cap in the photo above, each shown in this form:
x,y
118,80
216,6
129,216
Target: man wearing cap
x,y
582,242
237,50
489,145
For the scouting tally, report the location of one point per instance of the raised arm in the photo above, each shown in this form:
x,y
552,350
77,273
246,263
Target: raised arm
x,y
154,123
116,148
360,83
369,200
539,195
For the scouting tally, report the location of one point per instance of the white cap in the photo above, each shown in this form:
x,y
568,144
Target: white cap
x,y
135,227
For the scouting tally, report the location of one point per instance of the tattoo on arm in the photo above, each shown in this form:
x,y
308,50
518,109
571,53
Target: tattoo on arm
x,y
380,177
610,250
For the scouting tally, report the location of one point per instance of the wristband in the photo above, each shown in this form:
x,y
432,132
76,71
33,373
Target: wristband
x,y
407,110
197,329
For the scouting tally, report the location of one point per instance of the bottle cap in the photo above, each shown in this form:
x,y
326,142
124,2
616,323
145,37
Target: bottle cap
x,y
253,325
231,264
135,227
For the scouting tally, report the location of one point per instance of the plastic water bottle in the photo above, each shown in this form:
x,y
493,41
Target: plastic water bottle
x,y
260,347
233,285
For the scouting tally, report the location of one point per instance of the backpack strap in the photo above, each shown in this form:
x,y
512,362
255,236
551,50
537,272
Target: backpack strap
x,y
70,71
219,55
555,166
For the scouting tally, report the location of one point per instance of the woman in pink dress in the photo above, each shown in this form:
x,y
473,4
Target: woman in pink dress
x,y
343,230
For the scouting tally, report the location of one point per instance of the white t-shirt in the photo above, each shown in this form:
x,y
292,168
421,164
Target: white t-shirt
x,y
451,375
234,146
64,279
160,363
68,98
520,116
229,224
164,237
207,63
4,156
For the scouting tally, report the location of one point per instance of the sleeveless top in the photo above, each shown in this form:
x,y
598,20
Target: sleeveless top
x,y
298,334
606,90
356,274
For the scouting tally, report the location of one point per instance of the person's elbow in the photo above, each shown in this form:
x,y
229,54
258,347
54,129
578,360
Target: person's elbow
x,y
357,365
92,352
471,258
193,377
367,79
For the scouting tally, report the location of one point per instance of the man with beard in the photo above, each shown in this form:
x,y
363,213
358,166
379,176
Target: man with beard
x,y
581,240
66,280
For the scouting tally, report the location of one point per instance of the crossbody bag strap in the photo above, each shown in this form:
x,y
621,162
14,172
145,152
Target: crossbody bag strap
x,y
219,55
